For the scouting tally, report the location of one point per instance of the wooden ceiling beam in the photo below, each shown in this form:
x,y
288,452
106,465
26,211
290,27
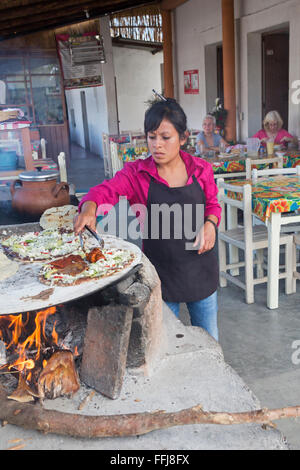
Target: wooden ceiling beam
x,y
36,7
171,4
8,32
61,11
11,4
49,7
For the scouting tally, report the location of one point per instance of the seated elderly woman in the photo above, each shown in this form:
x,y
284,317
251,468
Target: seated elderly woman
x,y
207,139
272,130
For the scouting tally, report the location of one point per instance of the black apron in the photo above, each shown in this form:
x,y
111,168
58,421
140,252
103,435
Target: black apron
x,y
185,276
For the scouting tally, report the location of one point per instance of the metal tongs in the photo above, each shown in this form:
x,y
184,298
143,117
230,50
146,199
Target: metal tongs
x,y
94,234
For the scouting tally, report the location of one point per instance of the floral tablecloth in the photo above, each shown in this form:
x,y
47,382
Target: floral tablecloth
x,y
276,194
129,153
237,164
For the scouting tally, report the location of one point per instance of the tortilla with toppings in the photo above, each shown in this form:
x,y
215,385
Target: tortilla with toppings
x,y
75,269
39,246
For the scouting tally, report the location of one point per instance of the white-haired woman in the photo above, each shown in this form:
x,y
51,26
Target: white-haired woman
x,y
207,139
273,131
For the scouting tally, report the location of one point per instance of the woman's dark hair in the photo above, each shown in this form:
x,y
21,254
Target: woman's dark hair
x,y
169,110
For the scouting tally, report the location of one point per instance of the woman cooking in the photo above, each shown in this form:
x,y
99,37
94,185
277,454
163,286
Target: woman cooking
x,y
170,177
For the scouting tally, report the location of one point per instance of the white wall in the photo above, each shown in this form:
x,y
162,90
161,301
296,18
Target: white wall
x,y
100,102
97,116
137,73
198,23
284,14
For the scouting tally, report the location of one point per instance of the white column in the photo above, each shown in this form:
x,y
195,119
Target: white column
x,y
109,77
294,72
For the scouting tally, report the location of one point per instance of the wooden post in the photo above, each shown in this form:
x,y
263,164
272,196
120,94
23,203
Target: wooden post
x,y
229,67
25,133
168,53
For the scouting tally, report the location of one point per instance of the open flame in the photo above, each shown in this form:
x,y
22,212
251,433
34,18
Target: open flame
x,y
12,335
45,365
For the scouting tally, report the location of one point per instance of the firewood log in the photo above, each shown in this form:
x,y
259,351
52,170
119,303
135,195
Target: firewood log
x,y
36,417
23,392
59,377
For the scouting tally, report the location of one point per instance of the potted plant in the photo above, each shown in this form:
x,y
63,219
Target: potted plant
x,y
220,114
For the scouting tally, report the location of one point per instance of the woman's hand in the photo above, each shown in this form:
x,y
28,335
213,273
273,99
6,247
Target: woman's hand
x,y
286,139
87,216
206,238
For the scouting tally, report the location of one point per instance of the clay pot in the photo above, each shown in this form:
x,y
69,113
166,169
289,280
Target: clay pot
x,y
39,191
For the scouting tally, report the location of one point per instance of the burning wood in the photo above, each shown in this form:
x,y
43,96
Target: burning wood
x,y
59,377
39,357
23,392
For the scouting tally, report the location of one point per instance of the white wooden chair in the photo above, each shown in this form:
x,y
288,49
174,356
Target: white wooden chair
x,y
248,239
43,148
255,174
35,155
116,162
62,167
106,155
296,247
250,162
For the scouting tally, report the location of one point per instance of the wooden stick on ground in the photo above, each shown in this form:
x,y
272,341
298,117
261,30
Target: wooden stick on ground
x,y
33,416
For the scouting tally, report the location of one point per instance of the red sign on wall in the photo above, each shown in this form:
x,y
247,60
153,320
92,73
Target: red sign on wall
x,y
191,82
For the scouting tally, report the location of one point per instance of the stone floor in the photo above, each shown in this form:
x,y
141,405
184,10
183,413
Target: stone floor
x,y
259,344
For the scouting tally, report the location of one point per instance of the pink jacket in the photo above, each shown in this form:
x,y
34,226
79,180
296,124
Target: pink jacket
x,y
280,134
134,179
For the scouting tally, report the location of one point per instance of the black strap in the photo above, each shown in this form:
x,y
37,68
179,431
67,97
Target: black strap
x,y
212,222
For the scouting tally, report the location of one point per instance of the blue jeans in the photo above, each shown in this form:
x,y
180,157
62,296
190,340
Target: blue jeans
x,y
203,313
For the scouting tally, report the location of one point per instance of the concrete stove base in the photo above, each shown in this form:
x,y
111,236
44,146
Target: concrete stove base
x,y
189,370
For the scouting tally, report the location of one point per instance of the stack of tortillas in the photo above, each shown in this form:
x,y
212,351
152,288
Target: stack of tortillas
x,y
58,217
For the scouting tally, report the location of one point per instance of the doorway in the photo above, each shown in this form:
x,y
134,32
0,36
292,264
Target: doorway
x,y
213,75
85,120
275,74
220,82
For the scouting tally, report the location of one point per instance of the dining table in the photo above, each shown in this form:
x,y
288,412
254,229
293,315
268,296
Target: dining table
x,y
275,202
236,164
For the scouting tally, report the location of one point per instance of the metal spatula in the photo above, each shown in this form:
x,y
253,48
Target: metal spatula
x,y
95,235
81,241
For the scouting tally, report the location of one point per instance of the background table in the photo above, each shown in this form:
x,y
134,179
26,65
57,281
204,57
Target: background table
x,y
237,164
271,198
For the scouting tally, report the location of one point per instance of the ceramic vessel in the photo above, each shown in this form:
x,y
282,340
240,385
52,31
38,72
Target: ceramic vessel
x,y
36,191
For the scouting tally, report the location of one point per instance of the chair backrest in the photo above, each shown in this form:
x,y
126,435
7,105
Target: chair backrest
x,y
116,162
43,148
239,197
106,155
62,167
250,162
274,172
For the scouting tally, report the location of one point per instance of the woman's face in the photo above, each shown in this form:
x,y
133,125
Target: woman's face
x,y
273,126
164,143
208,126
